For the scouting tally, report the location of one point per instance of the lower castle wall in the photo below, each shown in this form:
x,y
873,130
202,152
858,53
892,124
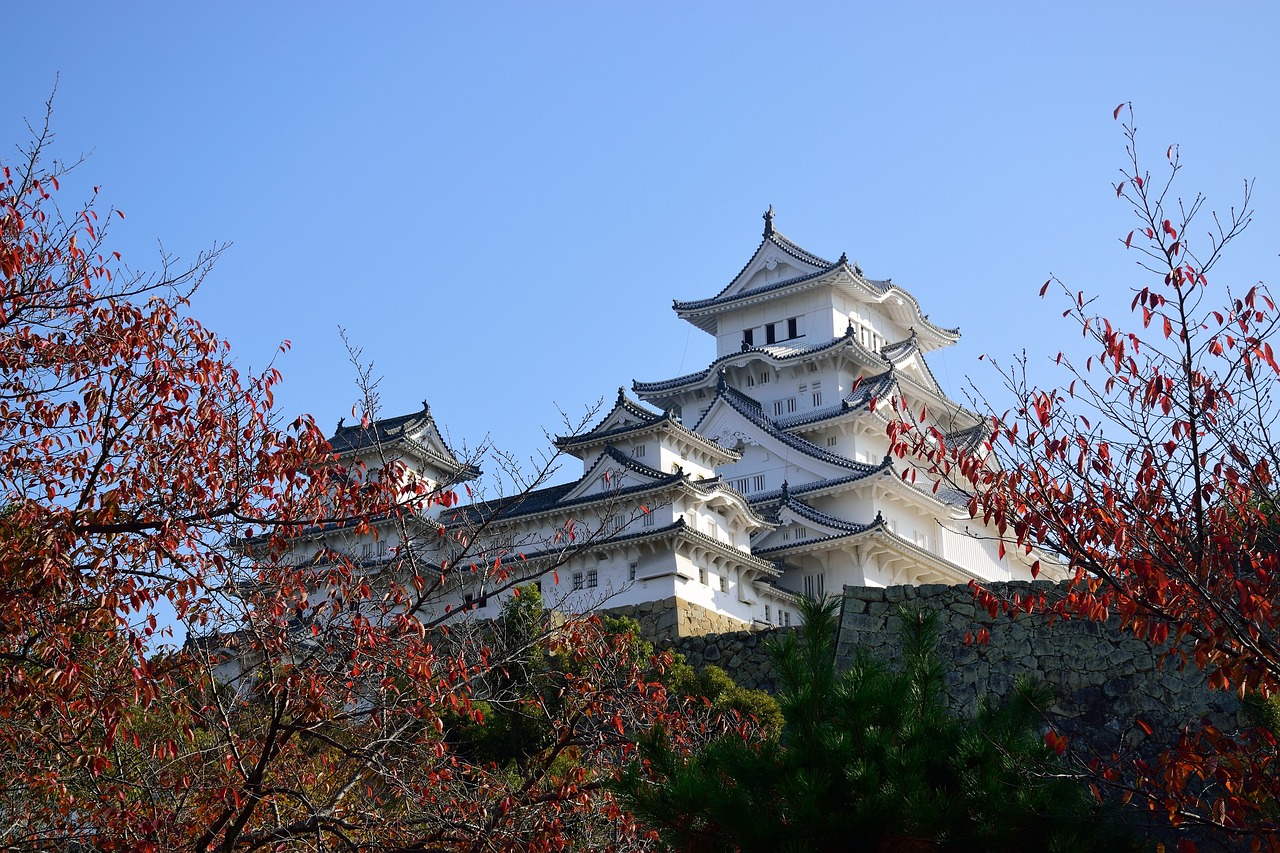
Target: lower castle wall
x,y
1102,678
672,618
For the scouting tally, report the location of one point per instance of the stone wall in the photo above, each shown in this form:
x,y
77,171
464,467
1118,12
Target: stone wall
x,y
1102,679
744,655
672,618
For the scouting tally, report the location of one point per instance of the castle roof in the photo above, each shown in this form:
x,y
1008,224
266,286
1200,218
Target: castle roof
x,y
810,270
628,419
751,409
416,432
570,495
776,353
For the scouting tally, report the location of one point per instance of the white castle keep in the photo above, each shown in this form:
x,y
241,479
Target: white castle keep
x,y
763,477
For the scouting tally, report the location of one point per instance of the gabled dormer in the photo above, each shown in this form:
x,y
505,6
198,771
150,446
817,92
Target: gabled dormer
x,y
788,296
412,440
655,440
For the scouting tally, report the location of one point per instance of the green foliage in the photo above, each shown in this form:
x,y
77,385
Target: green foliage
x,y
869,757
725,696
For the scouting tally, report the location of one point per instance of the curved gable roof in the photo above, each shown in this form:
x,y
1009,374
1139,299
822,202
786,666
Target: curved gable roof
x,y
417,431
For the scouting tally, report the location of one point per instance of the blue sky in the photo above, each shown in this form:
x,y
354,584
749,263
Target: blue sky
x,y
500,201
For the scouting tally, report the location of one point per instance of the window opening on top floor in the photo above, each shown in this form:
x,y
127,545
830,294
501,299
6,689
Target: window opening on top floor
x,y
751,381
593,578
831,441
637,452
724,583
648,519
631,571
813,367
764,377
770,333
749,337
791,327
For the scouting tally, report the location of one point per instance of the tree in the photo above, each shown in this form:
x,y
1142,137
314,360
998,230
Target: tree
x,y
319,706
1151,474
869,759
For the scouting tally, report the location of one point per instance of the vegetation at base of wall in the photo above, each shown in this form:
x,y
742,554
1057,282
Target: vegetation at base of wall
x,y
875,755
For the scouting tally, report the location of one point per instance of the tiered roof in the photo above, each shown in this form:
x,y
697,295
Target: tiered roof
x,y
416,432
629,420
814,271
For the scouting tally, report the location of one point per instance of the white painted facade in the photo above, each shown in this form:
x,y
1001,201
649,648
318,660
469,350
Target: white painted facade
x,y
761,478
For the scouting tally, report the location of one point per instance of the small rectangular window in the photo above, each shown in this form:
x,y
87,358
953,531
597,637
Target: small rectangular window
x,y
770,333
786,618
749,336
764,378
637,452
831,441
648,519
724,583
777,408
803,387
702,576
786,535
751,381
817,399
631,571
815,586
813,367
757,482
577,580
592,578
766,614
791,328
791,405
802,532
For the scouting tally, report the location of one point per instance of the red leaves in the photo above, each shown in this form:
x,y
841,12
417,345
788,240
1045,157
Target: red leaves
x,y
1045,288
1128,240
1115,114
1168,229
1056,742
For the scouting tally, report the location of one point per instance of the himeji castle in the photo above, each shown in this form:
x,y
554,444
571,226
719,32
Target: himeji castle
x,y
763,477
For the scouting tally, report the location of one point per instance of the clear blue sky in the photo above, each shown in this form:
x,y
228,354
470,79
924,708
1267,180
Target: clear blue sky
x,y
500,201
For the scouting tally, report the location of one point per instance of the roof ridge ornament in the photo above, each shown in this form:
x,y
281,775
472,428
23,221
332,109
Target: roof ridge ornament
x,y
426,407
844,258
622,394
768,222
723,381
341,421
786,492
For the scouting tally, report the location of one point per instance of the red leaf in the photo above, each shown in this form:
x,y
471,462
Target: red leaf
x,y
1116,113
1045,289
1128,240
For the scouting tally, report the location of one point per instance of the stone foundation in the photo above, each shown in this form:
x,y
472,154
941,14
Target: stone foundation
x,y
1103,679
672,618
